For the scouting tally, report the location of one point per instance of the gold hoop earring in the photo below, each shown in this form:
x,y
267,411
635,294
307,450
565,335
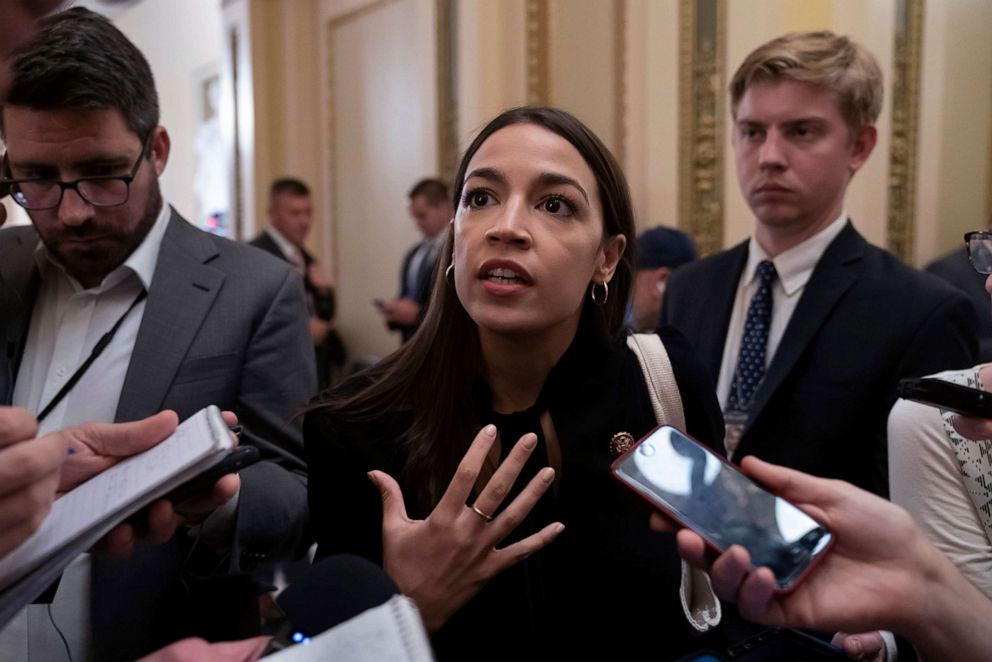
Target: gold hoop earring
x,y
448,277
606,294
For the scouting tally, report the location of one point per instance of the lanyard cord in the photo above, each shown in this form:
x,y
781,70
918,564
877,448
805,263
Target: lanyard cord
x,y
98,348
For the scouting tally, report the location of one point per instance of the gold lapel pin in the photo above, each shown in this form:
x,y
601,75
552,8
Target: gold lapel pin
x,y
621,443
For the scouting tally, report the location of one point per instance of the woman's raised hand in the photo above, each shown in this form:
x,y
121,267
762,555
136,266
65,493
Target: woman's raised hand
x,y
442,561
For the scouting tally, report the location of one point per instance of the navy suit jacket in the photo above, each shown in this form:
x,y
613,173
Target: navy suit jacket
x,y
420,290
224,324
865,320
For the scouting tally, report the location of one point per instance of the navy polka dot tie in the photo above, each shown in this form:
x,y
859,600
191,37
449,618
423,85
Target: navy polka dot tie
x,y
751,361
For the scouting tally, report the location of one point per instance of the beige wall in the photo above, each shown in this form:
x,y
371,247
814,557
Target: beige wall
x,y
382,137
285,94
343,93
181,39
956,125
652,110
582,67
491,67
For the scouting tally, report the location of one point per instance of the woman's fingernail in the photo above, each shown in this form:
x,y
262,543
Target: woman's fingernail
x,y
489,430
559,528
547,474
372,478
530,442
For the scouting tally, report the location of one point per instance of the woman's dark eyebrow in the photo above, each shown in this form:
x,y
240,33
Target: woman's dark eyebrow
x,y
544,179
554,179
492,174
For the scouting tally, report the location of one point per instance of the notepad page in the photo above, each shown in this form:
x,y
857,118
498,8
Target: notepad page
x,y
391,632
91,504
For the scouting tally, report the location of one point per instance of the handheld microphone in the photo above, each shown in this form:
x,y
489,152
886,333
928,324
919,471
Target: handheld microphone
x,y
332,591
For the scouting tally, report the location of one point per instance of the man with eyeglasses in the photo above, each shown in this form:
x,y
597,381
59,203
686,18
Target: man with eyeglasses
x,y
186,320
30,467
957,270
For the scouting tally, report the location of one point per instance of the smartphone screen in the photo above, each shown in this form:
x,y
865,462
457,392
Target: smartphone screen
x,y
713,498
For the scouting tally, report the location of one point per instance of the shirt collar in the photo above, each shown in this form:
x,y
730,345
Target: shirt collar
x,y
437,240
285,245
794,266
141,262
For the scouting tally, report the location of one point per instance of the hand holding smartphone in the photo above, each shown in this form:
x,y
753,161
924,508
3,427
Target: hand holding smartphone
x,y
705,493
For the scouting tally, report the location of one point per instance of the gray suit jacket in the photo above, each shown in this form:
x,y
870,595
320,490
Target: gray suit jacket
x,y
224,324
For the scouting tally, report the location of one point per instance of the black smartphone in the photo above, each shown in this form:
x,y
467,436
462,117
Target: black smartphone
x,y
784,644
953,397
236,460
705,493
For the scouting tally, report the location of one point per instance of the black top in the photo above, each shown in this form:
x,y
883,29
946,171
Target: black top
x,y
608,585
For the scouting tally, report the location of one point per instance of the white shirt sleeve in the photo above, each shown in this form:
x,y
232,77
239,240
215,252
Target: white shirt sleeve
x,y
925,479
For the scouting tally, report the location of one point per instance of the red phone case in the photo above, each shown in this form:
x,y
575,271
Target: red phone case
x,y
670,514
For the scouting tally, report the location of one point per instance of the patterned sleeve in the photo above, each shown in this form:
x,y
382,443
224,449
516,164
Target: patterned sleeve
x,y
937,476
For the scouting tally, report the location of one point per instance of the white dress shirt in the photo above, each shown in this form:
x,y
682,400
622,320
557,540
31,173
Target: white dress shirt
x,y
794,267
292,253
67,322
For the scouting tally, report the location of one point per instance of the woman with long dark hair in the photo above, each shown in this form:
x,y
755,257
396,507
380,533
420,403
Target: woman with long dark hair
x,y
523,339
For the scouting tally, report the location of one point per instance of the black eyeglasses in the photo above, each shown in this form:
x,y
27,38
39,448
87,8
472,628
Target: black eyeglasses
x,y
40,193
979,244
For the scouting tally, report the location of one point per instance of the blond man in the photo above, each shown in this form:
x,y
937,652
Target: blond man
x,y
805,327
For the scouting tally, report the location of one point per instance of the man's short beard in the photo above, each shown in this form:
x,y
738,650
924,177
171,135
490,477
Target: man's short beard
x,y
97,267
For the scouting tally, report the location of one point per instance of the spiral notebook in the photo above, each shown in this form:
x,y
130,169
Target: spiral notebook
x,y
391,632
84,515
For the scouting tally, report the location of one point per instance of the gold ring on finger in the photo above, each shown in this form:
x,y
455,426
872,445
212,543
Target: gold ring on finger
x,y
488,518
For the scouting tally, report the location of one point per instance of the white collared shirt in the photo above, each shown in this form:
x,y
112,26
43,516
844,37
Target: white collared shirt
x,y
794,267
285,245
67,322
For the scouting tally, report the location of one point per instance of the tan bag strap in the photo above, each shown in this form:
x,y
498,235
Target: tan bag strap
x,y
699,603
662,387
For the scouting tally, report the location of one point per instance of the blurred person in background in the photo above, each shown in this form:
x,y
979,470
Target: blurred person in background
x,y
659,251
290,220
431,210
